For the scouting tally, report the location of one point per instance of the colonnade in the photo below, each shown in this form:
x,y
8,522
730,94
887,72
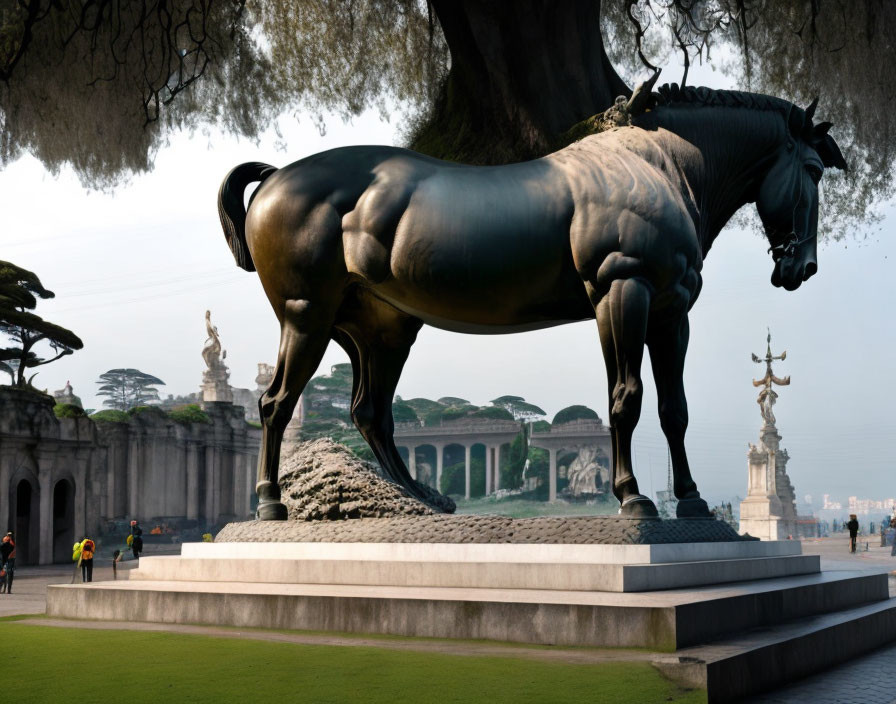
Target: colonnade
x,y
492,434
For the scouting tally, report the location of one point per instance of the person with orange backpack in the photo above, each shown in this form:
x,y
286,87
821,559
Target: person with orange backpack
x,y
88,548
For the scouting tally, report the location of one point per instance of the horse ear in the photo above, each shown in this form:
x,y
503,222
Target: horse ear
x,y
641,96
810,111
821,129
829,152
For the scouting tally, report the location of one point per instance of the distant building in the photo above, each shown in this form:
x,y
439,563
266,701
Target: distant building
x,y
67,395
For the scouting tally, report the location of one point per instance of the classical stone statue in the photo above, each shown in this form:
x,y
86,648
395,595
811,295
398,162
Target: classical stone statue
x,y
212,352
768,396
364,245
215,384
583,471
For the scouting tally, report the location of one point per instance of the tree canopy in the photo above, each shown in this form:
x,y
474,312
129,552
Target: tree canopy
x,y
519,408
100,84
128,388
19,291
571,413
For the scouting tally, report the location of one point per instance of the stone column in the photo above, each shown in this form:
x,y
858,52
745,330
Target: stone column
x,y
110,482
467,471
45,517
81,493
552,476
210,484
7,458
412,461
488,470
440,451
497,467
251,463
133,469
192,481
239,482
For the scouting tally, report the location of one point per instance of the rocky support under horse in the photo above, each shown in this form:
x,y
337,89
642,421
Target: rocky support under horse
x,y
363,245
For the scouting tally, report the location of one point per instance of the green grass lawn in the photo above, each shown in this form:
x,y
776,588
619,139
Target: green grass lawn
x,y
48,664
524,508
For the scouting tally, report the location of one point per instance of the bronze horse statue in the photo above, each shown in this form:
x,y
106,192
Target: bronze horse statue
x,y
363,245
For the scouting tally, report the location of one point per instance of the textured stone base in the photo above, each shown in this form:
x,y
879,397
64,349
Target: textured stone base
x,y
576,530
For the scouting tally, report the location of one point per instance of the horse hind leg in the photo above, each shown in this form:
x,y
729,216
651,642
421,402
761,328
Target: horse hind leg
x,y
378,339
304,336
622,323
668,342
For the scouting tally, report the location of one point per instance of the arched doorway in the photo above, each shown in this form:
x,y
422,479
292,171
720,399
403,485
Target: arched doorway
x,y
63,520
477,470
24,499
454,480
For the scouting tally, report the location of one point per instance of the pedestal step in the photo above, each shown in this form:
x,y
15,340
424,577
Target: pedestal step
x,y
658,620
766,658
554,553
487,575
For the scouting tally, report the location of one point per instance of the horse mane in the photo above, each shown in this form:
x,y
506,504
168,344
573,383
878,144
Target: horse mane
x,y
798,121
672,95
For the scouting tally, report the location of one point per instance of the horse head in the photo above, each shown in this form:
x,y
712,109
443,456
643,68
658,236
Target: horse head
x,y
787,199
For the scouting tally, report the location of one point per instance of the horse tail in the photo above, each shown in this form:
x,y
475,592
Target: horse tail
x,y
233,212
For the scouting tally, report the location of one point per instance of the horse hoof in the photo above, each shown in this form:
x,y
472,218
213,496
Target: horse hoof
x,y
638,506
693,508
271,511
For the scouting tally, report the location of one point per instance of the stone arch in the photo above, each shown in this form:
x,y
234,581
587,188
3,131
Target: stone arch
x,y
426,463
24,508
454,474
63,508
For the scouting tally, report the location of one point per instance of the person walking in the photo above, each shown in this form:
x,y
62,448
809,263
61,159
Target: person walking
x,y
853,527
136,539
8,559
893,549
88,548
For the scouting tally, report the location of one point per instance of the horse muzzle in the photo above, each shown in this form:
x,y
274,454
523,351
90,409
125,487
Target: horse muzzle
x,y
790,272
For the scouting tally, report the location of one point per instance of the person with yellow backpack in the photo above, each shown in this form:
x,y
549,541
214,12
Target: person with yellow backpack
x,y
83,553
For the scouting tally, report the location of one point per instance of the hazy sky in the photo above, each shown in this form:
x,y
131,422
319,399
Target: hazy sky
x,y
135,271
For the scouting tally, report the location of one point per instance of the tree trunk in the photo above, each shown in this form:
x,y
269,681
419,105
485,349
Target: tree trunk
x,y
522,73
27,344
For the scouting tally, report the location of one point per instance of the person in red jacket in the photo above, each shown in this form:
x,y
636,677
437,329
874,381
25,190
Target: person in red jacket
x,y
8,558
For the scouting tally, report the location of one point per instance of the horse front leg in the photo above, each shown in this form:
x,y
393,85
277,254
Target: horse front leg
x,y
304,335
378,338
622,324
667,340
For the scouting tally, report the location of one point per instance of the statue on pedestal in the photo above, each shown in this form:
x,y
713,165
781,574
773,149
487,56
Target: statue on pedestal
x,y
768,396
769,511
215,384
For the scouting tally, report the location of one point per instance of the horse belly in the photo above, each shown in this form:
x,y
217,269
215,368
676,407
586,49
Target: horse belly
x,y
479,255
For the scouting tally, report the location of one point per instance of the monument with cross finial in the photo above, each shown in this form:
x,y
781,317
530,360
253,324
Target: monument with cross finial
x,y
769,511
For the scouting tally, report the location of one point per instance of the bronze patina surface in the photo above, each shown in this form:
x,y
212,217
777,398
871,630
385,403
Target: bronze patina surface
x,y
365,245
